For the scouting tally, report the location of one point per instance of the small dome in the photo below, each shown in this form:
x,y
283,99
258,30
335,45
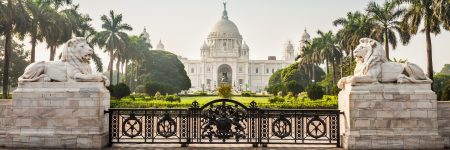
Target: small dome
x,y
204,46
160,46
289,46
245,46
305,36
146,36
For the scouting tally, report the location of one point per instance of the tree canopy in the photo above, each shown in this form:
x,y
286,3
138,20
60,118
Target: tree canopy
x,y
164,68
19,60
294,78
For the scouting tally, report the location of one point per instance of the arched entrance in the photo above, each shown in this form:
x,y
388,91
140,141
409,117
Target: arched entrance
x,y
224,74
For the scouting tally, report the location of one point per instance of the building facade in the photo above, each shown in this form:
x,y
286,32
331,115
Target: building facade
x,y
225,58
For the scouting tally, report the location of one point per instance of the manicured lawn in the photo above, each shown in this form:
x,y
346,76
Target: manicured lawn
x,y
206,99
328,102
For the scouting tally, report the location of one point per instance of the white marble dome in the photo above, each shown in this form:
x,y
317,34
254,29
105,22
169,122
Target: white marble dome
x,y
225,26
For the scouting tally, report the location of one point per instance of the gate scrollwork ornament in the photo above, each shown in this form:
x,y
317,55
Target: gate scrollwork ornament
x,y
316,127
224,122
281,127
166,126
132,126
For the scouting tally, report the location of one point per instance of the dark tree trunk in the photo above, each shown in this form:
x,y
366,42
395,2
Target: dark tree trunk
x,y
118,71
429,52
313,74
341,67
52,53
386,43
6,62
33,49
351,61
126,71
110,66
310,73
333,64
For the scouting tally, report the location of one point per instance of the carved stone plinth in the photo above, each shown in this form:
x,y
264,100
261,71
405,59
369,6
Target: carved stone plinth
x,y
57,115
389,116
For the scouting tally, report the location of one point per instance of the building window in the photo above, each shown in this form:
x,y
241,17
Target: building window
x,y
224,44
256,71
208,82
241,81
192,70
273,70
240,69
208,69
267,70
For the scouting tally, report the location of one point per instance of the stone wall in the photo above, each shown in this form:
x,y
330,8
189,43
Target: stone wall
x,y
444,120
58,115
5,111
389,116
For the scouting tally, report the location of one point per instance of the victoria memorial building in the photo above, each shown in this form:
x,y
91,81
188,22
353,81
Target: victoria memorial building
x,y
225,58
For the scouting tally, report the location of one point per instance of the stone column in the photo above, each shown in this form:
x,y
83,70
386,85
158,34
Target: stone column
x,y
389,116
58,115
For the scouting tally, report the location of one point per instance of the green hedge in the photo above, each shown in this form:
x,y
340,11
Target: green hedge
x,y
328,102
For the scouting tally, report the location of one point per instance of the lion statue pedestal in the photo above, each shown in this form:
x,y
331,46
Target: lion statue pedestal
x,y
59,104
387,105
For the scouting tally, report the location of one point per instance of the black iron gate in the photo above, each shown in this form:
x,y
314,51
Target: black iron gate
x,y
224,121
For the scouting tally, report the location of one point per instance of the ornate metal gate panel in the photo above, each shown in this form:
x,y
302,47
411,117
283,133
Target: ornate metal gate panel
x,y
299,126
224,121
148,126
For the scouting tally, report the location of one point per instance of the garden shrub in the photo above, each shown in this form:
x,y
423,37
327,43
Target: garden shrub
x,y
247,94
172,98
274,89
314,91
280,94
289,97
157,95
152,87
294,87
140,89
276,99
224,90
302,95
119,91
441,85
201,93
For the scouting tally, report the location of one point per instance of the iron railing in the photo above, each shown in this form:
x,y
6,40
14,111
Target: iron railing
x,y
224,121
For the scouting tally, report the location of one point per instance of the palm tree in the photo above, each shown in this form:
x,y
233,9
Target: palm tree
x,y
386,19
113,36
40,16
442,10
58,32
354,27
136,54
309,58
329,51
425,11
61,25
81,27
13,20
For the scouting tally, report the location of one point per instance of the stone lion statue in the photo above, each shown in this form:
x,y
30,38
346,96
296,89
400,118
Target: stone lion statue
x,y
373,67
73,66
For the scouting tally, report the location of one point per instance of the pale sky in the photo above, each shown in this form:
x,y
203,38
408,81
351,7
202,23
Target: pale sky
x,y
266,25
